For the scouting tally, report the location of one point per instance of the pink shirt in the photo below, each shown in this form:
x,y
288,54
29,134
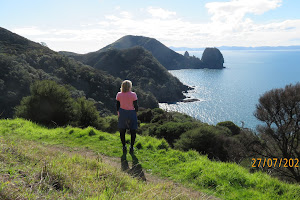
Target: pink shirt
x,y
126,100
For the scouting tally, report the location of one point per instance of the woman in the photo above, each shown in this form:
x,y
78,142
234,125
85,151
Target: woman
x,y
127,108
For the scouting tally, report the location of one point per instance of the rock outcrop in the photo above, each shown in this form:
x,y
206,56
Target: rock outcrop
x,y
212,58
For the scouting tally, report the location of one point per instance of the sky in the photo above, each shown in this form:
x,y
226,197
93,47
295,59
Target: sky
x,y
83,26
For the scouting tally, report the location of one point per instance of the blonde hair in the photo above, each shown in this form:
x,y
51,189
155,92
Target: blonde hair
x,y
126,86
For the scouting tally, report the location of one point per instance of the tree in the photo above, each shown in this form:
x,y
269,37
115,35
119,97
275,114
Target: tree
x,y
87,114
49,104
279,109
235,130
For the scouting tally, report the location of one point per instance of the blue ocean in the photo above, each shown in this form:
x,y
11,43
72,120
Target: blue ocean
x,y
232,93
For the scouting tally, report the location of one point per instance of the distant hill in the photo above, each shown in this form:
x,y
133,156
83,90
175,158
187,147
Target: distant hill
x,y
22,62
166,56
295,47
138,65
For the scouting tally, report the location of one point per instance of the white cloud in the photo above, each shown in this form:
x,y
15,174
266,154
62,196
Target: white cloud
x,y
230,16
160,13
228,27
126,15
31,31
111,17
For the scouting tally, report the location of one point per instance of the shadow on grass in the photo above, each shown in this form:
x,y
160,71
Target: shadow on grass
x,y
136,170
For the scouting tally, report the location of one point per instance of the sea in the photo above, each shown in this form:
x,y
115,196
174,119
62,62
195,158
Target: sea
x,y
232,93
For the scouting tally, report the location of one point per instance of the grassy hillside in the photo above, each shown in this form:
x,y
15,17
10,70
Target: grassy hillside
x,y
31,170
225,180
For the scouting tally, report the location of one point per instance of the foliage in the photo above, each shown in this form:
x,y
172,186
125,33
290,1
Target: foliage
x,y
224,180
111,124
49,104
279,110
205,139
172,125
23,62
87,114
139,66
232,127
171,131
163,145
145,116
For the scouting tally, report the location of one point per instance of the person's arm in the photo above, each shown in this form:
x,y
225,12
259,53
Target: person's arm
x,y
118,105
136,106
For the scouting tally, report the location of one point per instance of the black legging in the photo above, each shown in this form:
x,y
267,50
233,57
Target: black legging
x,y
122,136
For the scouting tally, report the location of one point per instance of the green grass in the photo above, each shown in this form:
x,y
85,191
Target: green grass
x,y
224,180
31,170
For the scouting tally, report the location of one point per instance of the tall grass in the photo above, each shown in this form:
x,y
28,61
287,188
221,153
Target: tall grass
x,y
225,180
30,170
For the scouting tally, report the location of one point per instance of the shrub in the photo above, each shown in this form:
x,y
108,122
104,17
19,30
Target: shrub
x,y
101,137
49,104
171,130
92,132
158,110
145,116
205,139
150,146
231,126
111,124
163,145
87,114
139,145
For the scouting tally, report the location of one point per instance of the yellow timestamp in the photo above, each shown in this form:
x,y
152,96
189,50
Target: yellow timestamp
x,y
275,162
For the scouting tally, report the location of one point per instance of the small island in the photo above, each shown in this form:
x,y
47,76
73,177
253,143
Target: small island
x,y
213,58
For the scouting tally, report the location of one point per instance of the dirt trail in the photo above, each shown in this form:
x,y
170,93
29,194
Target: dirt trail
x,y
134,170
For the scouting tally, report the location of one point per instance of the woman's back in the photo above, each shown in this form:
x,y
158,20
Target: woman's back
x,y
126,100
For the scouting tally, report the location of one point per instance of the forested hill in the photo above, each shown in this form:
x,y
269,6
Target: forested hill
x,y
22,62
166,56
139,65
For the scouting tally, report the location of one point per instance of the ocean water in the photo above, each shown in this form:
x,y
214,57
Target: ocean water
x,y
232,93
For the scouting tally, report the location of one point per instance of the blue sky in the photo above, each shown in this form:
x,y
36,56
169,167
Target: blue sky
x,y
84,26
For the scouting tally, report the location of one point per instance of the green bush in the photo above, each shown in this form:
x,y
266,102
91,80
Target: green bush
x,y
158,110
139,145
171,130
149,146
111,124
49,104
205,139
145,116
232,127
101,137
163,145
87,114
92,132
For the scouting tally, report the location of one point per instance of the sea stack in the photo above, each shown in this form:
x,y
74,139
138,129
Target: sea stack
x,y
186,54
212,58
